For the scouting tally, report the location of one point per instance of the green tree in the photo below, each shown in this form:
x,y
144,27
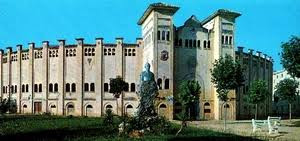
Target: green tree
x,y
290,56
189,93
287,90
227,74
8,105
117,86
258,93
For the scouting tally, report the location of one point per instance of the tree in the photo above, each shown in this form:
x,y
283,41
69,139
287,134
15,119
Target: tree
x,y
117,86
290,56
258,93
227,74
189,92
287,90
8,105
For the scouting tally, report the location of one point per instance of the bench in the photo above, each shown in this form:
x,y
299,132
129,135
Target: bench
x,y
258,124
273,124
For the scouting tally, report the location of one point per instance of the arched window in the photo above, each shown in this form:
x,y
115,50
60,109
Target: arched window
x,y
27,88
40,88
208,44
67,87
55,87
126,89
92,87
86,87
35,88
50,87
129,110
24,106
168,35
167,84
222,39
159,82
226,40
158,35
52,106
206,107
186,43
204,44
194,43
108,107
3,89
163,36
16,89
105,51
23,88
226,106
230,40
180,42
198,44
132,87
190,43
73,87
105,87
89,106
162,106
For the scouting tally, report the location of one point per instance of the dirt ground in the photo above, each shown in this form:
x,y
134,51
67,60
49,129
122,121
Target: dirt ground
x,y
287,131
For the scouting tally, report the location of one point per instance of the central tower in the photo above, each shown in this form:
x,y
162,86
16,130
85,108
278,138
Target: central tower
x,y
158,36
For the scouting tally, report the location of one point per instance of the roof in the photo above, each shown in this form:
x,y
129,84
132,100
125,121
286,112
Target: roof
x,y
221,12
157,6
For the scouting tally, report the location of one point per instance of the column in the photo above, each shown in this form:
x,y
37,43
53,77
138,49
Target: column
x,y
61,78
98,84
79,83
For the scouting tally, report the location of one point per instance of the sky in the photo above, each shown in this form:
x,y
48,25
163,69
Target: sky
x,y
263,26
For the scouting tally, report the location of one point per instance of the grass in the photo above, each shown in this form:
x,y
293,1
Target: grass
x,y
49,128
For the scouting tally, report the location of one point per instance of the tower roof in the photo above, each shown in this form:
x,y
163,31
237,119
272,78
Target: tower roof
x,y
221,12
157,6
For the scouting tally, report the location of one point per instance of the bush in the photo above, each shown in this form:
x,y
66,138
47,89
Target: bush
x,y
8,105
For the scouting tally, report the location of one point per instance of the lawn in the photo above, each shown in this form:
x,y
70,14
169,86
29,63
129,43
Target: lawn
x,y
51,128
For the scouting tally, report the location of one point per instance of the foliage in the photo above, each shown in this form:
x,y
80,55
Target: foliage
x,y
189,93
287,90
227,74
8,105
290,56
117,86
258,92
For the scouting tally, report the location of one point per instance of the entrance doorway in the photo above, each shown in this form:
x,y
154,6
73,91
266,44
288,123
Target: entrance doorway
x,y
37,107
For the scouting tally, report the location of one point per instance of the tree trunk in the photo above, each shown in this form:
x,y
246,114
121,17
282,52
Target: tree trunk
x,y
290,111
255,111
225,116
183,124
117,106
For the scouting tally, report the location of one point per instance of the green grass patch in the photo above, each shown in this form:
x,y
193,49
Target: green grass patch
x,y
52,128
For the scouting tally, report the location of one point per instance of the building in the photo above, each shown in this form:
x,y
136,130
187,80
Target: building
x,y
74,79
281,108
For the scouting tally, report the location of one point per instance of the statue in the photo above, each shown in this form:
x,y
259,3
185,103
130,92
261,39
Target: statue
x,y
148,91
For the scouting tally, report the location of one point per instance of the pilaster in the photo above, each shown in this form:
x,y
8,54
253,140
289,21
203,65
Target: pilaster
x,y
31,76
79,83
45,76
19,92
1,74
9,50
61,78
99,75
120,71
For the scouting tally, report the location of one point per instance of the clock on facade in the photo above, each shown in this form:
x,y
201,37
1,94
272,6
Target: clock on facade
x,y
164,55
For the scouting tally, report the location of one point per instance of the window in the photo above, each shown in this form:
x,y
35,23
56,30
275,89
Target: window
x,y
16,89
168,35
204,44
105,87
3,89
113,52
222,39
194,43
180,42
190,43
23,88
26,87
35,88
105,51
208,44
230,40
133,52
158,35
73,87
67,87
132,87
86,87
163,36
186,43
226,40
167,84
40,87
159,82
92,87
126,89
198,44
55,87
50,87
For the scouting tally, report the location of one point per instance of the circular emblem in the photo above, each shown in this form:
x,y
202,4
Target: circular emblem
x,y
164,55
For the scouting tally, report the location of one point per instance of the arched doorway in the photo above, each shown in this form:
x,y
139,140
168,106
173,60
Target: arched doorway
x,y
162,110
53,109
228,108
129,110
207,110
70,109
24,107
88,110
108,107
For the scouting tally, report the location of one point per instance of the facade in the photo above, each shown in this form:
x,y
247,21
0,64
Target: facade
x,y
281,108
74,79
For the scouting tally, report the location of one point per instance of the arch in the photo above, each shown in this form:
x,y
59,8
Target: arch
x,y
167,83
163,35
105,87
52,109
68,87
204,44
88,110
40,88
162,110
198,43
86,87
23,88
129,110
207,110
50,87
92,87
158,35
190,43
70,108
73,87
159,83
27,87
24,107
35,88
229,108
168,35
55,87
